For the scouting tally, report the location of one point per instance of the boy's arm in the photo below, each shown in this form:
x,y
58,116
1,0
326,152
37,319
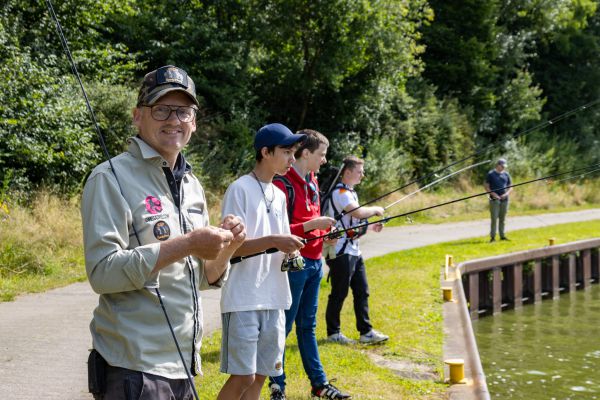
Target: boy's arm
x,y
284,243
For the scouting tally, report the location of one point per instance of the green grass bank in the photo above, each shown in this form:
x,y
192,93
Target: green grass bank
x,y
405,303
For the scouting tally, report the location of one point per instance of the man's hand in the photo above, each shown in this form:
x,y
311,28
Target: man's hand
x,y
234,224
377,227
287,243
206,243
378,211
321,223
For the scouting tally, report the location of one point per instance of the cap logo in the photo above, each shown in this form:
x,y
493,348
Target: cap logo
x,y
172,75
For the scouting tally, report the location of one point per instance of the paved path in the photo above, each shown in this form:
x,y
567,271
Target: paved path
x,y
44,338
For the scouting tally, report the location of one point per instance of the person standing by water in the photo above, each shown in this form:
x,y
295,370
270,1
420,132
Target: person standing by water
x,y
497,182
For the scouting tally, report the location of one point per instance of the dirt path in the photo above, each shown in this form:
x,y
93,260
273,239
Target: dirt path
x,y
44,338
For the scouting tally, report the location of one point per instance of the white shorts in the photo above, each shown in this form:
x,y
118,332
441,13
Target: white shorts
x,y
253,342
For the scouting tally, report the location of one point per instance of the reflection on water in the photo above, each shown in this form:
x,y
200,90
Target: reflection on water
x,y
544,351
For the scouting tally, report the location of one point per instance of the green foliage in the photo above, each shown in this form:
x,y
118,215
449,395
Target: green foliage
x,y
409,85
44,133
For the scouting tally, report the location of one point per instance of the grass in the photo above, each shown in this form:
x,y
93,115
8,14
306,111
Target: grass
x,y
405,303
41,249
41,246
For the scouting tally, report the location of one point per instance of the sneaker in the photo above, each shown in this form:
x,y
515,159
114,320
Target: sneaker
x,y
340,338
505,238
328,391
373,337
492,240
276,392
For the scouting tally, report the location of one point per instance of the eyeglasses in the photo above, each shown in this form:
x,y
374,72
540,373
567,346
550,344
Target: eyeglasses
x,y
162,112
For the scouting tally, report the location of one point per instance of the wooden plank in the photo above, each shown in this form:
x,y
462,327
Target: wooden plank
x,y
497,290
586,257
524,256
517,271
595,264
537,281
555,277
572,276
474,295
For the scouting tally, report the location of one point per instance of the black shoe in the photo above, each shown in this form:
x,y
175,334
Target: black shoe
x,y
328,391
492,240
505,238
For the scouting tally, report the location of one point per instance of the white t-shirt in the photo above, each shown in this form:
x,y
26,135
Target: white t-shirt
x,y
341,198
257,283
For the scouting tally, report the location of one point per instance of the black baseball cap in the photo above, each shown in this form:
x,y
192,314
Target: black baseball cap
x,y
165,80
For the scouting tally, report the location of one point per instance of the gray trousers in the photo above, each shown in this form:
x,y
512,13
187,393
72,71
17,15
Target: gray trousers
x,y
125,384
498,210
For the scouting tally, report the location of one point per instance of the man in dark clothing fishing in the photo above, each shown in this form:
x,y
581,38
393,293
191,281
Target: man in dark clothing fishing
x,y
496,182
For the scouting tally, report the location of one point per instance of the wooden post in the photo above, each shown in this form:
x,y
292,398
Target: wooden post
x,y
572,272
587,267
555,277
537,281
497,290
518,285
595,264
474,295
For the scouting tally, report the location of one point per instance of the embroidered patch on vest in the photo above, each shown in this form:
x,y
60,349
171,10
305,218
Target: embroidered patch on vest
x,y
153,205
162,231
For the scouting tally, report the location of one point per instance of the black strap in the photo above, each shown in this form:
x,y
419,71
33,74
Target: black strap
x,y
291,195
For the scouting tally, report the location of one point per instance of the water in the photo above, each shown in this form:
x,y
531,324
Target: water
x,y
545,351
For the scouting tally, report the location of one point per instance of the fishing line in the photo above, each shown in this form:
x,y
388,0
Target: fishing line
x,y
65,45
333,235
523,133
386,219
434,182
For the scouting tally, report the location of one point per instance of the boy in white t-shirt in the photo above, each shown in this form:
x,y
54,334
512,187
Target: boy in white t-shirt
x,y
347,270
256,291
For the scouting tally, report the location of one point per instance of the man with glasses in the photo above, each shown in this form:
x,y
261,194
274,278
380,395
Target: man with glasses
x,y
145,225
304,210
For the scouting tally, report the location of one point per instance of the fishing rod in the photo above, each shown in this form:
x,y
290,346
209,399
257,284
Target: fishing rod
x,y
337,233
523,133
435,182
386,219
65,45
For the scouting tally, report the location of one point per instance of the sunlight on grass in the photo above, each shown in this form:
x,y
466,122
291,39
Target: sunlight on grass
x,y
405,303
41,247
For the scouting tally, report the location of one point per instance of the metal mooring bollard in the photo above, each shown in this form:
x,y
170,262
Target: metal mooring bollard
x,y
447,265
447,290
457,370
551,241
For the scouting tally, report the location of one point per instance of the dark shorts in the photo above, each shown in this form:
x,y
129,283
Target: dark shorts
x,y
125,384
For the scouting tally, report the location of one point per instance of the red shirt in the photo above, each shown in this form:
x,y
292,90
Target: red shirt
x,y
306,207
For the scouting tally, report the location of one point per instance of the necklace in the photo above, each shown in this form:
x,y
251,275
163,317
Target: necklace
x,y
268,202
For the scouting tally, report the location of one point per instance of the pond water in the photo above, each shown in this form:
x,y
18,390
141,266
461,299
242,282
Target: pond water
x,y
545,351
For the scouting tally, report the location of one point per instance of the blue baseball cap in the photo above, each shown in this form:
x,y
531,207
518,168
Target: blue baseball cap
x,y
276,135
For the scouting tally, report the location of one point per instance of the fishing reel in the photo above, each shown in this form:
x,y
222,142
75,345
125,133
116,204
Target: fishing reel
x,y
292,264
